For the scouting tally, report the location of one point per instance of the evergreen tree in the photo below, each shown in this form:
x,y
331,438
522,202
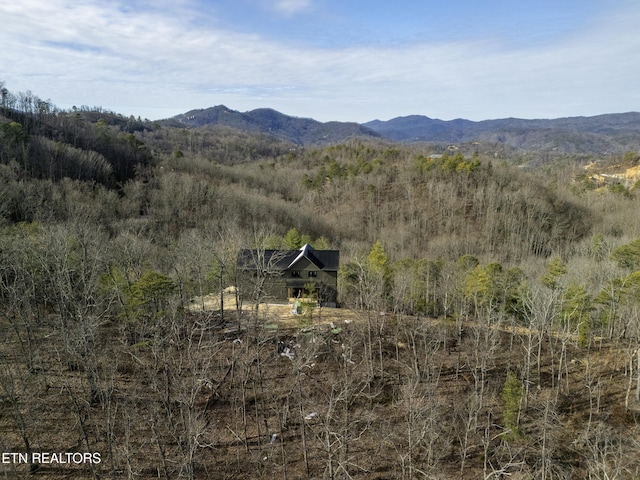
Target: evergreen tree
x,y
512,393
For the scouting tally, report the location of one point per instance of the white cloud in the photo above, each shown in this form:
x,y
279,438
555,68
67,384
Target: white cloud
x,y
157,62
292,7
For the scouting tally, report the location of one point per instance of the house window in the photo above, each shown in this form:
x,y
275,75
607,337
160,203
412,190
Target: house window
x,y
313,273
295,273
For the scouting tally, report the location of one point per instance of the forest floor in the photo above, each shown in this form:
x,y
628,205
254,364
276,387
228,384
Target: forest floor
x,y
334,394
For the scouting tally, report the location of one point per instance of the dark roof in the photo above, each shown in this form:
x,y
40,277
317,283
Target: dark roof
x,y
286,259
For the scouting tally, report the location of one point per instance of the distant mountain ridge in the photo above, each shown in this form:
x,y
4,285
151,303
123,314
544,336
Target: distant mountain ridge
x,y
302,131
608,133
598,134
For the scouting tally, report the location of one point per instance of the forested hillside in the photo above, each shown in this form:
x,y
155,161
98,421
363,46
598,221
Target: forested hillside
x,y
489,321
601,134
303,131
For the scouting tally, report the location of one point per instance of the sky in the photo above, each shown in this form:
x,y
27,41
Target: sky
x,y
327,59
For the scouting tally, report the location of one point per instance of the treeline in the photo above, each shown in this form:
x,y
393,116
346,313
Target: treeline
x,y
47,143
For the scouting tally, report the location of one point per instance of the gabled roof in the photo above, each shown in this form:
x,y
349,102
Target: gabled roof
x,y
286,259
307,252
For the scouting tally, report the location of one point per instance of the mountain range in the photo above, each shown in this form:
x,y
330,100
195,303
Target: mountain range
x,y
601,134
302,131
608,133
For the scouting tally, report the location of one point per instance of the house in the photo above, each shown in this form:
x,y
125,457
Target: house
x,y
286,275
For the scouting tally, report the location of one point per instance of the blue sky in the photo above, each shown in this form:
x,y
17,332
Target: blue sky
x,y
327,59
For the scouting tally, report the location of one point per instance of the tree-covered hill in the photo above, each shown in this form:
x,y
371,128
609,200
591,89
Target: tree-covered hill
x,y
354,193
302,131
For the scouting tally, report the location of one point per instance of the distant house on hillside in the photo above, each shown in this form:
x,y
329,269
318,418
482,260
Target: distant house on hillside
x,y
284,275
